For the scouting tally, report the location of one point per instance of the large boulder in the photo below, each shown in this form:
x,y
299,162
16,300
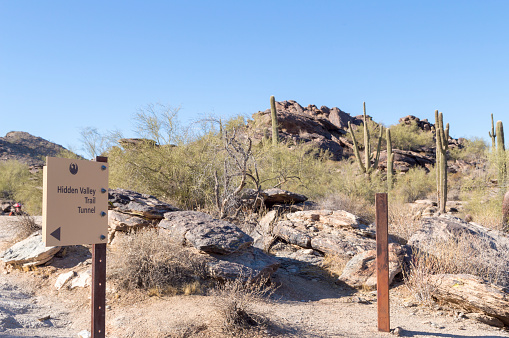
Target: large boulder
x,y
478,248
251,263
29,252
360,271
205,232
134,203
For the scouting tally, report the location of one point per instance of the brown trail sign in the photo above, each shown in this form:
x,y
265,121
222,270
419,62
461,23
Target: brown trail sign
x,y
75,210
75,202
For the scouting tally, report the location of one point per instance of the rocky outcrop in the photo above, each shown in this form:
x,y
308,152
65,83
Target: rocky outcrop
x,y
26,148
323,127
204,232
271,197
424,125
29,252
134,203
334,232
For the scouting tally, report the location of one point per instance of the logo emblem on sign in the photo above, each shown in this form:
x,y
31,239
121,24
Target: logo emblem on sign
x,y
73,168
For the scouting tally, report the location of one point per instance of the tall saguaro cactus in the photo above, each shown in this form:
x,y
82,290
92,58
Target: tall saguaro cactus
x,y
442,145
366,167
492,134
502,170
390,161
273,113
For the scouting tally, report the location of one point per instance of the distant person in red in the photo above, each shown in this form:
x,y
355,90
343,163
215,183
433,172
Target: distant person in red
x,y
16,211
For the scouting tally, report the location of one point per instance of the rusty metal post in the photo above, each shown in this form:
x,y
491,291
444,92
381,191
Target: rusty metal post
x,y
382,262
99,284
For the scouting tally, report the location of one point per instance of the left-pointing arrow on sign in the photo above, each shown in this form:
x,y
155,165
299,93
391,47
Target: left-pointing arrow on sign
x,y
56,233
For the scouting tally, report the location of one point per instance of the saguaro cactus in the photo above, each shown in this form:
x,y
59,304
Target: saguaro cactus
x,y
366,167
442,145
273,113
390,161
502,170
492,134
505,212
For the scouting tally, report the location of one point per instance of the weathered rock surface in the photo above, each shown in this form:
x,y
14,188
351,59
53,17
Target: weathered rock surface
x,y
323,126
487,250
134,203
406,159
360,271
26,148
63,278
29,252
118,221
249,263
205,232
280,196
327,231
473,294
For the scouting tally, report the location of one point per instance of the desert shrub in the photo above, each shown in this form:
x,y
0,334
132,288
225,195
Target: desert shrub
x,y
402,223
150,261
410,137
19,184
474,149
353,204
374,132
25,226
235,303
413,185
335,264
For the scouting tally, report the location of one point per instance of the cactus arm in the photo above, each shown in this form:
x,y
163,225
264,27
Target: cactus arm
x,y
367,146
356,148
390,160
273,113
377,156
492,134
502,168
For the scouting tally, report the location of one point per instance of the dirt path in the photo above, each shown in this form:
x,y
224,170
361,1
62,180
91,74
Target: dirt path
x,y
302,308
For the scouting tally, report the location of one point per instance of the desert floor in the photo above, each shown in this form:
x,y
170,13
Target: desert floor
x,y
30,306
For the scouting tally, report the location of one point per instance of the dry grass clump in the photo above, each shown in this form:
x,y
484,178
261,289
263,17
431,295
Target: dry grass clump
x,y
25,226
402,223
145,260
464,254
335,264
235,300
353,204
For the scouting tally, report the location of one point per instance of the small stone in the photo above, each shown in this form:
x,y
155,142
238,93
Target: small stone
x,y
84,334
397,331
64,278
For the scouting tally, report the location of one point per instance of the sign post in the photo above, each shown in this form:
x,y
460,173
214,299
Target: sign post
x,y
382,262
75,210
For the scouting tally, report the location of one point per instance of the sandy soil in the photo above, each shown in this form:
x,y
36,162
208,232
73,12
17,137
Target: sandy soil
x,y
30,306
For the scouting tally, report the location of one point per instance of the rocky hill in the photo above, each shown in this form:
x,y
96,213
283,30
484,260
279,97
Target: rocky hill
x,y
26,148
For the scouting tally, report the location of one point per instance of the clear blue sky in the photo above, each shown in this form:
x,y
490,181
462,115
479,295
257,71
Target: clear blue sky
x,y
66,65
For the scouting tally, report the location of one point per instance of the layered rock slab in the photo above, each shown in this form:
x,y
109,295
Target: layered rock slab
x,y
29,252
205,232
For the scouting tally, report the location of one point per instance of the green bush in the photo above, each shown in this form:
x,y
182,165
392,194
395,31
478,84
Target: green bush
x,y
19,184
410,137
413,185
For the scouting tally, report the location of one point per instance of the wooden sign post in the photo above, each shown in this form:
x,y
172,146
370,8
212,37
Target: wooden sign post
x,y
382,262
75,212
99,284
